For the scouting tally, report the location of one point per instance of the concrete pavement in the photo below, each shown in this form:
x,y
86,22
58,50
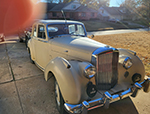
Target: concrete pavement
x,y
23,89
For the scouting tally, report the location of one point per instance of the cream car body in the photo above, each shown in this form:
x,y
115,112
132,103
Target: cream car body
x,y
66,56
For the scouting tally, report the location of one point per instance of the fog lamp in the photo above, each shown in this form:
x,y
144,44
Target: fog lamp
x,y
90,71
136,77
127,63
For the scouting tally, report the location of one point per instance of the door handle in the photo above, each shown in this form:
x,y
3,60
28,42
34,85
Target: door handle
x,y
39,40
42,41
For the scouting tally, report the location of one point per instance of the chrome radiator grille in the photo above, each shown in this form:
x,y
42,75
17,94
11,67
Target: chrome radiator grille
x,y
107,70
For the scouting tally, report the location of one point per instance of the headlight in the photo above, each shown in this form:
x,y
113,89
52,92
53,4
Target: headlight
x,y
90,71
127,62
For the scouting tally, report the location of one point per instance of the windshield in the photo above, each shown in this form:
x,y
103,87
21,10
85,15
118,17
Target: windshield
x,y
65,29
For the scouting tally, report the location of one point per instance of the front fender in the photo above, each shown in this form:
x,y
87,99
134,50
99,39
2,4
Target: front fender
x,y
137,66
69,79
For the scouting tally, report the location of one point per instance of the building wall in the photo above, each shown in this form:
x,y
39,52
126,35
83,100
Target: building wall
x,y
58,15
86,16
73,15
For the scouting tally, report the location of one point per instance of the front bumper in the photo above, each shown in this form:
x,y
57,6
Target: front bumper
x,y
107,98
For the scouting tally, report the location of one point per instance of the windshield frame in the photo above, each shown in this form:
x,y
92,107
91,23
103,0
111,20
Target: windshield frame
x,y
65,24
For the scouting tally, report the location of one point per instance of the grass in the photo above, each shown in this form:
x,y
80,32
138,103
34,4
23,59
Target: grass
x,y
141,22
138,42
96,25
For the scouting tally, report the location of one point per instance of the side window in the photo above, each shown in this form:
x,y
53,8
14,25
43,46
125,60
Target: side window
x,y
80,30
72,29
34,32
41,32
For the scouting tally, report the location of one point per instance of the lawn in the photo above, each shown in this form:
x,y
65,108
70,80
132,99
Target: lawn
x,y
138,42
96,25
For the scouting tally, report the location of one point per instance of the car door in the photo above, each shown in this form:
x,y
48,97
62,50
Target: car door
x,y
33,41
42,48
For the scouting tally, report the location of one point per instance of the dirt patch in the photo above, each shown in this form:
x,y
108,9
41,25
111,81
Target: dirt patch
x,y
138,42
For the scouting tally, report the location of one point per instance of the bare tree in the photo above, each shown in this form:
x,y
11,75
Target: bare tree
x,y
96,4
145,10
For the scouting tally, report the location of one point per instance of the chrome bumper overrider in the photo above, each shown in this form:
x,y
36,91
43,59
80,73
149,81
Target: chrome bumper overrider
x,y
106,99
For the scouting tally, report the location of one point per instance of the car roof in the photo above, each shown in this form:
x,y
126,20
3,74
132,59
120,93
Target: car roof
x,y
57,22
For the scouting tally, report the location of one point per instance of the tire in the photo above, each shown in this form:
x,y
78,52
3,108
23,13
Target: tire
x,y
26,41
30,57
59,99
20,40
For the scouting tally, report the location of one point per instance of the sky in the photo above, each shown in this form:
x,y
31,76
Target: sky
x,y
115,3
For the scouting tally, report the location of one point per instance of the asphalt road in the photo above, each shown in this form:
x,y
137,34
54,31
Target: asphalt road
x,y
23,89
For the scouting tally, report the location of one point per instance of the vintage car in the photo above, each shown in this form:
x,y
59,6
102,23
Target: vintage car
x,y
87,73
24,35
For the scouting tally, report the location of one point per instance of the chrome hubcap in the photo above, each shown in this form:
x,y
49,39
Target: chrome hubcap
x,y
57,94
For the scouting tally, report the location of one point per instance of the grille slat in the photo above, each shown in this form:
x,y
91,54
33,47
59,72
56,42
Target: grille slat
x,y
107,70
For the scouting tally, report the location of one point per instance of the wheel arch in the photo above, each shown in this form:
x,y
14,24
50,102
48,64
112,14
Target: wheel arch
x,y
30,49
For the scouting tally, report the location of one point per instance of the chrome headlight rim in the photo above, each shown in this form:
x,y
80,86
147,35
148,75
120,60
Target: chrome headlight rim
x,y
127,63
87,71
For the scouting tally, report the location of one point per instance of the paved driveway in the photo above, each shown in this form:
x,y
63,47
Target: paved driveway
x,y
23,89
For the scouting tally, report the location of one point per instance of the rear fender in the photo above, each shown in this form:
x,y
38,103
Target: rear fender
x,y
30,49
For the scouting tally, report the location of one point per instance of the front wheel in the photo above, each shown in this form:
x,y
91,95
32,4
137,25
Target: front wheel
x,y
59,99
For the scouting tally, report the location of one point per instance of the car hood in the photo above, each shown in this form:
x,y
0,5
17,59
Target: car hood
x,y
75,46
